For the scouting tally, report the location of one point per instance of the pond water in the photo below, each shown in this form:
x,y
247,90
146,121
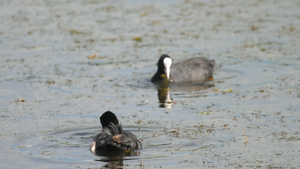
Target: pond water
x,y
64,63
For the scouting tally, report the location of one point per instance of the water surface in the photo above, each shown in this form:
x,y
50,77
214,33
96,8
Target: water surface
x,y
64,63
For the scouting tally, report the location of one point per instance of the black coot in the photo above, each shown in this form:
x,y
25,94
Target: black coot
x,y
113,139
191,70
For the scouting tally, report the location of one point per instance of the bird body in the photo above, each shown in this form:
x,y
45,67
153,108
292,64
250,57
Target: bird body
x,y
113,139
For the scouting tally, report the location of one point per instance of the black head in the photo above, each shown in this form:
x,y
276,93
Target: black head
x,y
160,63
161,68
108,117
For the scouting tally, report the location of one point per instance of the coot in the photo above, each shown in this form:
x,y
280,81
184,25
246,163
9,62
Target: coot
x,y
113,139
191,70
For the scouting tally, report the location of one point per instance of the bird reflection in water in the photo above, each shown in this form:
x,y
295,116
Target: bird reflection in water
x,y
117,160
163,90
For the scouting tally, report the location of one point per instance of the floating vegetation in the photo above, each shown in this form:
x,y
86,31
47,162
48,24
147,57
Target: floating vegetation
x,y
112,40
254,28
20,100
76,32
49,82
92,56
137,39
205,113
223,91
95,56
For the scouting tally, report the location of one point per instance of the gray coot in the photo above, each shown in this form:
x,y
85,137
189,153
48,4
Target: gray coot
x,y
191,70
113,139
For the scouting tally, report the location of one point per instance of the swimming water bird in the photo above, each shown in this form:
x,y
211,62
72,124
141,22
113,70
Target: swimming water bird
x,y
113,139
191,70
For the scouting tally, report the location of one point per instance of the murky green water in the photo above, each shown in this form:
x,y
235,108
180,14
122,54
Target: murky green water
x,y
64,63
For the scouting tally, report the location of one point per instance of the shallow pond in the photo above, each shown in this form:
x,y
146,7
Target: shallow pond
x,y
64,63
